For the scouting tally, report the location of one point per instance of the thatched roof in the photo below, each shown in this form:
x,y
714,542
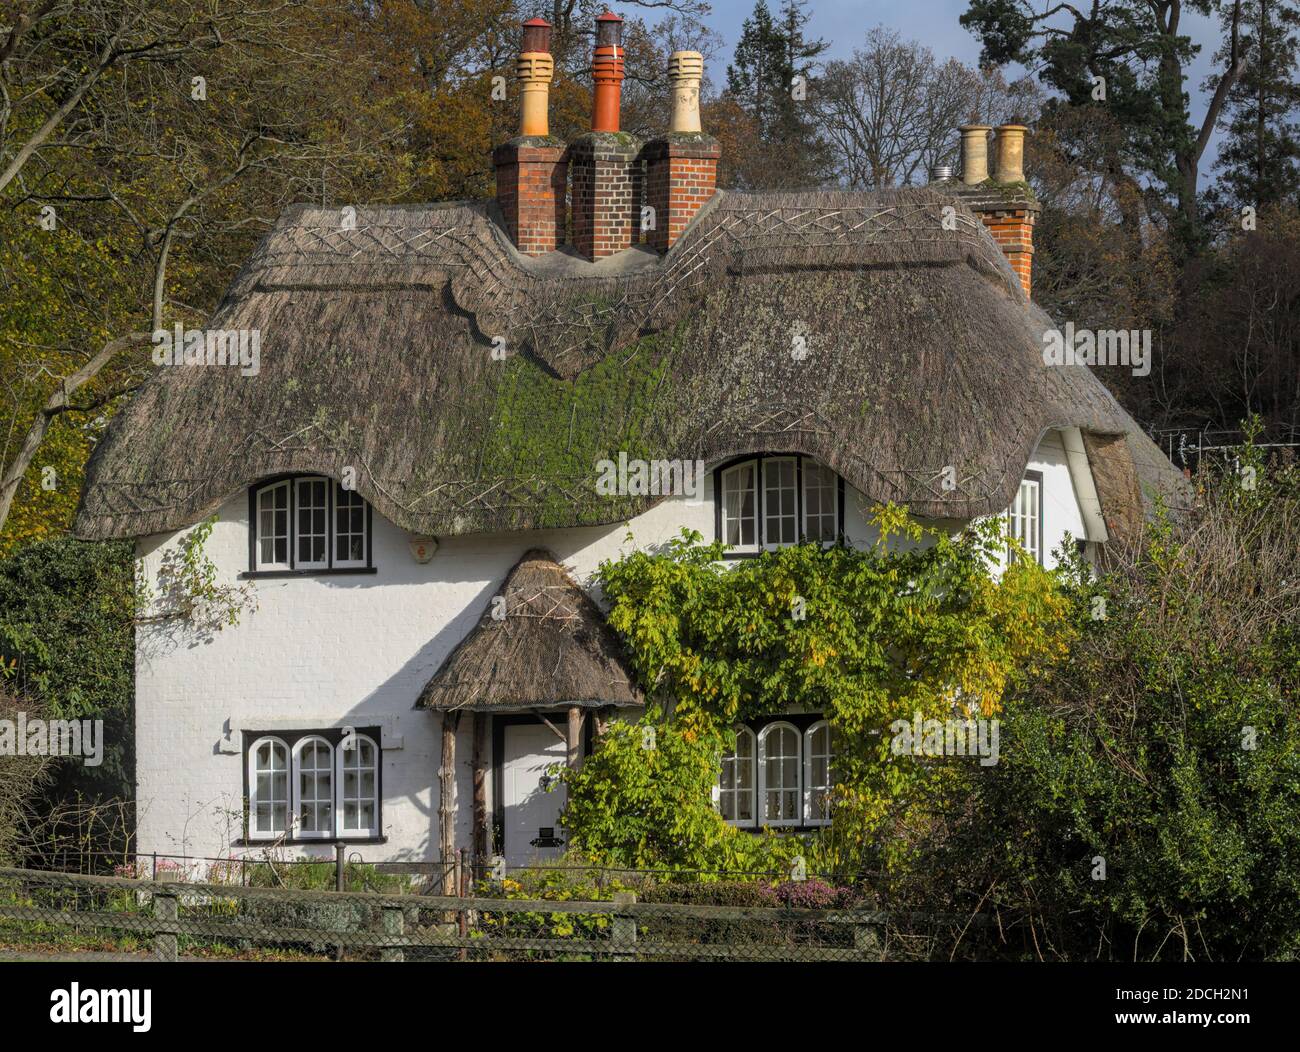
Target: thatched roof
x,y
377,354
552,647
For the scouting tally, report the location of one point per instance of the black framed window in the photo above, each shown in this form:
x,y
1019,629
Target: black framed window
x,y
773,500
308,524
313,785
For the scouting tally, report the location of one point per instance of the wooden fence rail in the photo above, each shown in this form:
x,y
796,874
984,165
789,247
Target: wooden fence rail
x,y
622,929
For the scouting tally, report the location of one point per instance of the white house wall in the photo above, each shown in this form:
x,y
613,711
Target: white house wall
x,y
355,650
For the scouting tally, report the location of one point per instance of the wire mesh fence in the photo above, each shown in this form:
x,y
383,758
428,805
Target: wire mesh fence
x,y
43,913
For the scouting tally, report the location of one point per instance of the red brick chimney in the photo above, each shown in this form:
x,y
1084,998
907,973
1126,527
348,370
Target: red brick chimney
x,y
682,166
531,167
1005,202
604,164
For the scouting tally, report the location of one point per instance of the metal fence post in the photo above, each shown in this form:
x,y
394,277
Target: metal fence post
x,y
339,863
623,929
166,912
392,921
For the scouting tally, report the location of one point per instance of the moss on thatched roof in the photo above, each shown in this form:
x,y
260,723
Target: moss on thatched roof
x,y
541,642
378,347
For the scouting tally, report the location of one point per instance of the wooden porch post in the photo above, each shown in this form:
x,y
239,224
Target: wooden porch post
x,y
573,740
480,788
447,796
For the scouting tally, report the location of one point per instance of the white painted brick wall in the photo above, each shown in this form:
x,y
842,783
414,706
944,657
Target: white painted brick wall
x,y
356,650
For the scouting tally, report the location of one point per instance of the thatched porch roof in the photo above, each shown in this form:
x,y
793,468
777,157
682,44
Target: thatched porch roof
x,y
552,648
923,354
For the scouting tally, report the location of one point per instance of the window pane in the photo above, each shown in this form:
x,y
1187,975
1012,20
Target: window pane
x,y
359,798
312,522
780,505
736,780
820,501
272,524
1023,516
349,527
818,777
315,787
269,788
739,506
781,774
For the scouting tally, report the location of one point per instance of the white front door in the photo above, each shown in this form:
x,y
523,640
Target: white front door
x,y
531,816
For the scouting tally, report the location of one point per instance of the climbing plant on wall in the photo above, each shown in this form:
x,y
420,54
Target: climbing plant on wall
x,y
920,625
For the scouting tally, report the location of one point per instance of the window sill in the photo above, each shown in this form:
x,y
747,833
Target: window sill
x,y
338,572
756,830
323,841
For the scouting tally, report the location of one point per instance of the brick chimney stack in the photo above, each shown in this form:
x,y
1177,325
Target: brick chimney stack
x,y
531,168
682,166
604,164
1005,203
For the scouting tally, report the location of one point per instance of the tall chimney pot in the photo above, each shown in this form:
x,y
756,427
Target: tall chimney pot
x,y
1010,167
974,153
685,71
534,69
607,73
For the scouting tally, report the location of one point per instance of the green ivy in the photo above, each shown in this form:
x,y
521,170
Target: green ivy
x,y
919,623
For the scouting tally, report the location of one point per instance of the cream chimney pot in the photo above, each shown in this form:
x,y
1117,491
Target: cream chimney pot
x,y
974,153
1011,154
685,70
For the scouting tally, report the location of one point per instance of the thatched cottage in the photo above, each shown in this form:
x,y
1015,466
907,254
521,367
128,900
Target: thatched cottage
x,y
460,409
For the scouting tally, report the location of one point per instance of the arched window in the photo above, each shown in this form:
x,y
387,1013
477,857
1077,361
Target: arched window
x,y
779,775
736,782
818,777
313,764
268,789
774,500
308,524
358,761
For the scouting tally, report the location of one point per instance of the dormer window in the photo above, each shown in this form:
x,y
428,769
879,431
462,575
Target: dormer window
x,y
772,501
308,524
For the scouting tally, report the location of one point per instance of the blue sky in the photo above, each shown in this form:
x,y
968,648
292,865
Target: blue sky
x,y
844,23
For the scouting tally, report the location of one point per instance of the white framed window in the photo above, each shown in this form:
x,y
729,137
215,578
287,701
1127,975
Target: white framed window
x,y
780,773
268,789
818,774
313,769
736,782
358,760
1025,516
272,542
821,503
313,785
772,501
739,506
780,501
308,524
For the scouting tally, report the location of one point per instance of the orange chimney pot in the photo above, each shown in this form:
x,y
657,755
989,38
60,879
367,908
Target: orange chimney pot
x,y
607,73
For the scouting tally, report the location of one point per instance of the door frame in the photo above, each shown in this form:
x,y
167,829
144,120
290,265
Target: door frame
x,y
497,837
